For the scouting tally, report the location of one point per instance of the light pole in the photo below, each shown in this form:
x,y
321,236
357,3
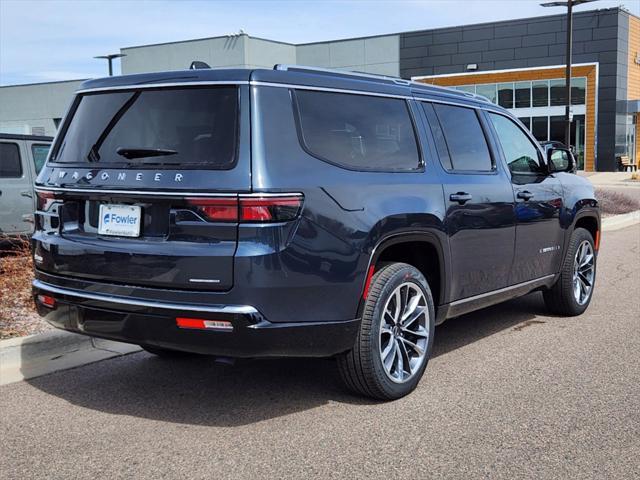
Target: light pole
x,y
110,58
567,81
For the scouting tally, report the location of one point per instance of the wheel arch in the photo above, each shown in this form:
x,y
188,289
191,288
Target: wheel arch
x,y
424,250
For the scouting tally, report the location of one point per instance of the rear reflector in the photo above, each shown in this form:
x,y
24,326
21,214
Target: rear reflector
x,y
249,208
203,324
47,300
44,200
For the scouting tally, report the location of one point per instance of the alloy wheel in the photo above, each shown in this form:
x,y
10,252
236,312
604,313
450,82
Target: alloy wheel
x,y
404,335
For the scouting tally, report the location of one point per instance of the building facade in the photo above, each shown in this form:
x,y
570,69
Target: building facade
x,y
518,64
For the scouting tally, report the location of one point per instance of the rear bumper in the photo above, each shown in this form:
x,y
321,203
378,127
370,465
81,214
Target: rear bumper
x,y
148,322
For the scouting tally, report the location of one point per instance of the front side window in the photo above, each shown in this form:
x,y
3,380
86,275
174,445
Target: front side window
x,y
162,127
520,152
10,165
464,137
358,132
40,152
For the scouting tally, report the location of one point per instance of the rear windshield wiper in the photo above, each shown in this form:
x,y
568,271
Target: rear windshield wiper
x,y
130,153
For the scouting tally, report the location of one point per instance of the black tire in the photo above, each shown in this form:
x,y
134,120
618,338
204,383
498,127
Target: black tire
x,y
362,368
560,298
165,352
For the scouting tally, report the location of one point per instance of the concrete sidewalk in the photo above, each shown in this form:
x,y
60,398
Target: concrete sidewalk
x,y
36,355
611,179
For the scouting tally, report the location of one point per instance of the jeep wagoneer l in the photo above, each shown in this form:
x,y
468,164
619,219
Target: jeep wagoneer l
x,y
300,212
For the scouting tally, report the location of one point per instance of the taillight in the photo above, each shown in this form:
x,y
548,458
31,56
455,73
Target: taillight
x,y
204,324
270,209
217,209
44,200
249,208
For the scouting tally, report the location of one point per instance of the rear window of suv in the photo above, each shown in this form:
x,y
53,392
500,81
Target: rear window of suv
x,y
358,132
183,127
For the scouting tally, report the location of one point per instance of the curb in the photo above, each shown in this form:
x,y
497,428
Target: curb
x,y
48,352
616,222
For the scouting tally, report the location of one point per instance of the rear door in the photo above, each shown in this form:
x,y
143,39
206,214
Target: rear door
x,y
539,202
480,220
142,188
16,190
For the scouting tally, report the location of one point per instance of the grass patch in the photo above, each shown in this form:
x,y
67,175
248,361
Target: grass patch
x,y
613,202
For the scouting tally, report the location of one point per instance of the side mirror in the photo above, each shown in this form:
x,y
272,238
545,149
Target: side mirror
x,y
560,160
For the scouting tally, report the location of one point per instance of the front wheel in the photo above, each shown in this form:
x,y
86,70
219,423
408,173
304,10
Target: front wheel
x,y
571,294
396,335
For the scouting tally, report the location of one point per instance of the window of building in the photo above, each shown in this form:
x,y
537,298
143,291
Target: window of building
x,y
557,126
465,138
467,88
505,95
521,154
523,94
540,93
487,90
578,91
358,131
557,92
540,128
40,153
10,165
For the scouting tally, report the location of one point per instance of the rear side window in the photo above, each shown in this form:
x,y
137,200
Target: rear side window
x,y
519,151
358,132
181,127
40,153
466,143
10,165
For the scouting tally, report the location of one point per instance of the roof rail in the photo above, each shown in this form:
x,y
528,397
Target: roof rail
x,y
348,73
396,80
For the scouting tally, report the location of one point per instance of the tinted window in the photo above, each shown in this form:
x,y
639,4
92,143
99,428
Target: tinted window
x,y
10,165
539,128
523,94
540,90
578,91
520,152
357,131
39,155
558,92
465,139
505,95
185,127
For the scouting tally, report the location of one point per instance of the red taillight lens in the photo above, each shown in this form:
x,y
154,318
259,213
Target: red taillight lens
x,y
44,200
47,301
217,209
249,208
270,209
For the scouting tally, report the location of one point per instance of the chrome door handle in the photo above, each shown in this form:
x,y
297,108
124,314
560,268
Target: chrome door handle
x,y
460,197
525,195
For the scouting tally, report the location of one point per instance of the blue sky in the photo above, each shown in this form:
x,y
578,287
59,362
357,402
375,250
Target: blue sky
x,y
48,40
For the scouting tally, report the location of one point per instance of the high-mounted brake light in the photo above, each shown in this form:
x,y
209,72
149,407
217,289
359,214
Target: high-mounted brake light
x,y
249,208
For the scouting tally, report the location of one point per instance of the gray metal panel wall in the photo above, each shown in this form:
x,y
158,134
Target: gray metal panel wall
x,y
598,36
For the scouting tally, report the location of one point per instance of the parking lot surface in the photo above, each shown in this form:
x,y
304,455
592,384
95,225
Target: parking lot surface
x,y
509,393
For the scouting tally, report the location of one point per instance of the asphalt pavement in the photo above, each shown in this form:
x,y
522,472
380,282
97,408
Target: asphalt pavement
x,y
510,393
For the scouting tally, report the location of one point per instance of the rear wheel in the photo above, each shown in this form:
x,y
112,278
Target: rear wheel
x,y
396,335
572,292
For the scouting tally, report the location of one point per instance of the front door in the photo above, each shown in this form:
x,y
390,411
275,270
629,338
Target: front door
x,y
539,202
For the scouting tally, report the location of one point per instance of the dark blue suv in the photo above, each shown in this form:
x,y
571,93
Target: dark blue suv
x,y
301,212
